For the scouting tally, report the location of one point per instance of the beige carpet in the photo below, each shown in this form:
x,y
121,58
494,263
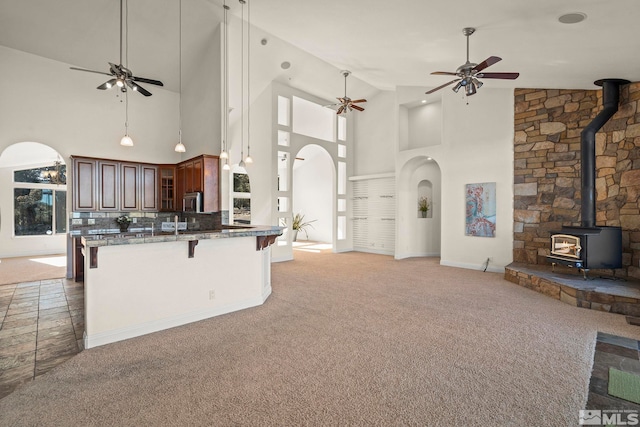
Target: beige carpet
x,y
31,269
348,339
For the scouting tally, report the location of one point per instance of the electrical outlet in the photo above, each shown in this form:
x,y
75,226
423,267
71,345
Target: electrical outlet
x,y
212,294
91,221
135,220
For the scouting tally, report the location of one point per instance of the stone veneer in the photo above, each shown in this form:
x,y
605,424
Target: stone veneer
x,y
547,182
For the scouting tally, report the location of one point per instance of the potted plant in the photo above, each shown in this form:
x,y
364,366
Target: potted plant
x,y
299,224
123,221
423,206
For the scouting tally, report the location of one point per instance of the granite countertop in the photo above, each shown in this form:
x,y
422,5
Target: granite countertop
x,y
96,238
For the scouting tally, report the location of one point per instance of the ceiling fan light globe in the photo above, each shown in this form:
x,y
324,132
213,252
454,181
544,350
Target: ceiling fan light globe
x,y
457,87
470,89
119,83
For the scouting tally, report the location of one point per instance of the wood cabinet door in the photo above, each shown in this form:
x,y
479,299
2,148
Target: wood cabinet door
x,y
197,175
180,185
149,187
108,183
129,185
84,185
167,188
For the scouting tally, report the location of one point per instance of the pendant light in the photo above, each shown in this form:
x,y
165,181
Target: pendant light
x,y
225,110
242,163
126,140
180,148
248,159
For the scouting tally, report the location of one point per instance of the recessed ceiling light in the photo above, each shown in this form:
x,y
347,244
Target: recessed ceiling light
x,y
572,18
285,65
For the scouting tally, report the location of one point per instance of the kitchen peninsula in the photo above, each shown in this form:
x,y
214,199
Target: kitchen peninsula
x,y
140,283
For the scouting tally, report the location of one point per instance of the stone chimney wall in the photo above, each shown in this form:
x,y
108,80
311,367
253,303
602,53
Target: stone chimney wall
x,y
547,183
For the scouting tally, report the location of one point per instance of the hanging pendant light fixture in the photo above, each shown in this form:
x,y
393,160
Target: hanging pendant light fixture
x,y
248,159
126,140
224,154
180,148
242,163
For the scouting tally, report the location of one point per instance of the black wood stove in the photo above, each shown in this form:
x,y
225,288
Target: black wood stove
x,y
590,246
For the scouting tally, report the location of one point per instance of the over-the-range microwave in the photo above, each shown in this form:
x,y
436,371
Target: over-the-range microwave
x,y
192,202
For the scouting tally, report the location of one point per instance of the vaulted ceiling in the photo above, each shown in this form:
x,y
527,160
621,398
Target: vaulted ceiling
x,y
386,44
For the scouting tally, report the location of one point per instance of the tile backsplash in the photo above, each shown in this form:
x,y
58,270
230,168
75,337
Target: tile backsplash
x,y
81,223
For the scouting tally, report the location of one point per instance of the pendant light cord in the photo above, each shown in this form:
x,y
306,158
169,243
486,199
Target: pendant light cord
x,y
249,81
242,2
180,70
225,133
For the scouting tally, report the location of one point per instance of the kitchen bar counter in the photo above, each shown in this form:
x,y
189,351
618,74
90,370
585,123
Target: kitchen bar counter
x,y
137,283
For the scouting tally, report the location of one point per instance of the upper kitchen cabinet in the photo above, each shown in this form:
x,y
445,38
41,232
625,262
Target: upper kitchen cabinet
x,y
84,184
111,185
149,187
167,187
200,174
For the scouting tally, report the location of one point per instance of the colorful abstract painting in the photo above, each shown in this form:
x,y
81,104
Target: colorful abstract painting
x,y
481,209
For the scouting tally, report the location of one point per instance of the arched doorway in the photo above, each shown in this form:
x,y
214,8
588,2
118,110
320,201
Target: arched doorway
x,y
313,198
33,210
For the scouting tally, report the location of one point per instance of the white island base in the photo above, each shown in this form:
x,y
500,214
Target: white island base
x,y
136,289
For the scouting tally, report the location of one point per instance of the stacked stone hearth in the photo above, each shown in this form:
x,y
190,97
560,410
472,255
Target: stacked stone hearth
x,y
547,170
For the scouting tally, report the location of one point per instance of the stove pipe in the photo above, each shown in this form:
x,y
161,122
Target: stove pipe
x,y
610,99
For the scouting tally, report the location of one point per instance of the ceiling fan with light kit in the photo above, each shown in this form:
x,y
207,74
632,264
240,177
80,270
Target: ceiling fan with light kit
x,y
121,76
469,73
346,103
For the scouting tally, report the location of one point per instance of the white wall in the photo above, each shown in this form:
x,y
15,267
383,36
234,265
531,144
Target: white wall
x,y
44,101
477,146
417,236
425,125
377,133
313,193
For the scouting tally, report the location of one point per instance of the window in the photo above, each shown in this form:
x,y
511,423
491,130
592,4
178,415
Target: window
x,y
241,198
313,120
40,205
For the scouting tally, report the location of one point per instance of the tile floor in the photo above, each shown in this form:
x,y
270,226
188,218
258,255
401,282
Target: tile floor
x,y
41,326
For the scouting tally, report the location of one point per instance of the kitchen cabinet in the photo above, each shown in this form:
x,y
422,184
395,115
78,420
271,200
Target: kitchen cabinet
x,y
129,183
149,187
110,185
109,192
84,184
167,187
200,174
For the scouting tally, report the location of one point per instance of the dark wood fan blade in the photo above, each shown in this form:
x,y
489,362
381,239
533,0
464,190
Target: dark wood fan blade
x,y
507,76
487,62
443,73
107,85
358,100
441,86
341,109
136,87
357,107
90,71
145,80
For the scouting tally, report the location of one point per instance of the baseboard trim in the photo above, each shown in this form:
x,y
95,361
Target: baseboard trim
x,y
492,269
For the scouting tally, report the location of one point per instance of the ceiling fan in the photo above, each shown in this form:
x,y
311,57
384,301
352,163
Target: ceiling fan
x,y
469,73
346,103
121,75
